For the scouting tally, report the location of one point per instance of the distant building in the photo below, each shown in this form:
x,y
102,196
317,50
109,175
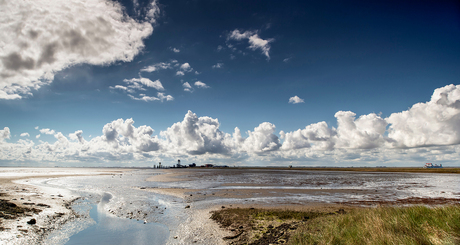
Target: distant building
x,y
430,165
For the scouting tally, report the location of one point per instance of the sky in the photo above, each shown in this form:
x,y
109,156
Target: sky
x,y
239,83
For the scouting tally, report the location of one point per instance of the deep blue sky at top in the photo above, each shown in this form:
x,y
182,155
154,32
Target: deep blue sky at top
x,y
362,56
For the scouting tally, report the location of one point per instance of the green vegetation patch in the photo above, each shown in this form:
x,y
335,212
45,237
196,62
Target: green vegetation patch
x,y
384,225
263,226
228,217
286,214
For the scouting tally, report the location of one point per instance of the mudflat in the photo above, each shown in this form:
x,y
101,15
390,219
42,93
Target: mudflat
x,y
28,212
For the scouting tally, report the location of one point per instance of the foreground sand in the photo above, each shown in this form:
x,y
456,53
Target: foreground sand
x,y
45,209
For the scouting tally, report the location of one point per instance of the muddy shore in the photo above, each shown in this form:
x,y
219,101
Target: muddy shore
x,y
28,213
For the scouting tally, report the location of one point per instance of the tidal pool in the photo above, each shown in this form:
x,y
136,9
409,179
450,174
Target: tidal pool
x,y
110,229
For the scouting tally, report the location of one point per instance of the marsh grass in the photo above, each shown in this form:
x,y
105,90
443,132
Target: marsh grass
x,y
384,225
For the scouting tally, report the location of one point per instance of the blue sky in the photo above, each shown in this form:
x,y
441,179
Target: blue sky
x,y
266,83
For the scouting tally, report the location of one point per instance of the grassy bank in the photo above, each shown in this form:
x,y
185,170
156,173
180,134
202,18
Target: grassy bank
x,y
383,225
261,226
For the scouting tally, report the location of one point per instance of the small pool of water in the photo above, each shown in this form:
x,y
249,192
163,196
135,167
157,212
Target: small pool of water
x,y
110,229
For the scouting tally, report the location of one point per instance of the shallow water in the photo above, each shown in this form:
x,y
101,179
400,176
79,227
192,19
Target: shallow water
x,y
113,204
113,210
110,229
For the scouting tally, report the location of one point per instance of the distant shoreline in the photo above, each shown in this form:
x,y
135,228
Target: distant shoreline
x,y
453,170
450,170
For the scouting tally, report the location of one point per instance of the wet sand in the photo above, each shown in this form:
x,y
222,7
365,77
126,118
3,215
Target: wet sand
x,y
276,188
38,210
169,176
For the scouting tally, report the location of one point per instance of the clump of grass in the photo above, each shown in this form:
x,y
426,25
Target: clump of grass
x,y
285,214
384,225
261,226
228,217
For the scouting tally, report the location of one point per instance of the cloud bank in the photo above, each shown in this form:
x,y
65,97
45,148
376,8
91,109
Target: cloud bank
x,y
427,131
41,38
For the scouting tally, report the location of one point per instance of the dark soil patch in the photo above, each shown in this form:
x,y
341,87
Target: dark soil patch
x,y
276,235
9,210
253,226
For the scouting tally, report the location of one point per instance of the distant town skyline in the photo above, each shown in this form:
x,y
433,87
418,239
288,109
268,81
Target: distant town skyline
x,y
303,83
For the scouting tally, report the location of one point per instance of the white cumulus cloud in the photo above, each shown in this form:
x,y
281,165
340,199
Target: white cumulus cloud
x,y
77,136
160,97
436,122
262,139
25,135
40,38
146,82
47,131
295,100
218,65
175,50
196,135
317,136
200,84
254,40
122,134
186,67
157,67
143,97
366,132
187,87
5,134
